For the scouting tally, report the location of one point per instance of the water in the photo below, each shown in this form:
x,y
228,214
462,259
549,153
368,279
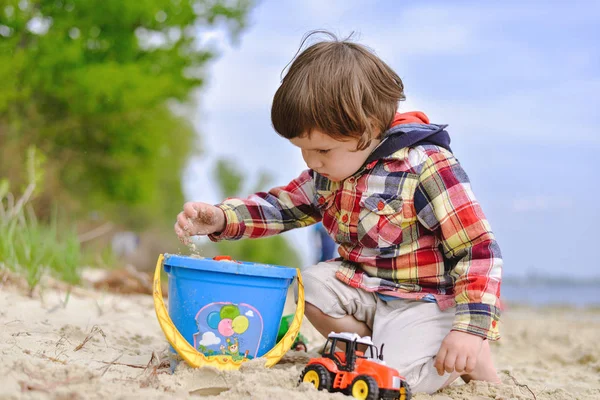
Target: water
x,y
548,293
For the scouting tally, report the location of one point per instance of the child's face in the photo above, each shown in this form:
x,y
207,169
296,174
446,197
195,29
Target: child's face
x,y
334,159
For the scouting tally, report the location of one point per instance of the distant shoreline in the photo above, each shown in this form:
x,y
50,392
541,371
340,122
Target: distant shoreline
x,y
551,293
542,280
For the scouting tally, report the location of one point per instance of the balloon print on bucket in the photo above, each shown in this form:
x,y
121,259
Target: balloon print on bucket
x,y
228,330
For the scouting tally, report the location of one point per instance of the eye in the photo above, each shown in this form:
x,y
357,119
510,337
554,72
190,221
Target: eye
x,y
323,151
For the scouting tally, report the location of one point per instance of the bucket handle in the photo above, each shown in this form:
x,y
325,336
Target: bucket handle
x,y
196,359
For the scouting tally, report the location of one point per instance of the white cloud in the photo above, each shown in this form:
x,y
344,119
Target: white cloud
x,y
331,10
214,38
549,114
249,313
420,31
542,203
542,86
209,339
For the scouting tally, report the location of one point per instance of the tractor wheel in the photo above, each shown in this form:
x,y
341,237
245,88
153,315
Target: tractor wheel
x,y
364,387
317,375
405,393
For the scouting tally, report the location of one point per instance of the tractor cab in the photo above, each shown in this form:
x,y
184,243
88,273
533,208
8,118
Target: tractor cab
x,y
355,347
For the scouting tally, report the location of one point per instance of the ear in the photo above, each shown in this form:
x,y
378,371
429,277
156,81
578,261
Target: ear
x,y
367,138
375,129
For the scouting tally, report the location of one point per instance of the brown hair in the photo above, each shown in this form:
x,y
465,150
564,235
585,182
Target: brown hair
x,y
338,87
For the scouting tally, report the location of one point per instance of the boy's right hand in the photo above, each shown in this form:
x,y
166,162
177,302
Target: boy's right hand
x,y
199,219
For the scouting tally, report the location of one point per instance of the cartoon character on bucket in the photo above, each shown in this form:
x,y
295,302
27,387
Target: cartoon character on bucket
x,y
233,349
224,328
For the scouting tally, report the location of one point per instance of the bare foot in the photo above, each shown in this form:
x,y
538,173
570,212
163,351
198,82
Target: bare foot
x,y
484,370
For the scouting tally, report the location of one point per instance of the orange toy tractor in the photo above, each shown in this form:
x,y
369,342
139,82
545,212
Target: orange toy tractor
x,y
361,374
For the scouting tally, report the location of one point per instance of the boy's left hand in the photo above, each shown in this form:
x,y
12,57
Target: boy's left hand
x,y
458,352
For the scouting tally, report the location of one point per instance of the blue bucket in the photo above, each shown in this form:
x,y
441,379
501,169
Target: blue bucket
x,y
227,311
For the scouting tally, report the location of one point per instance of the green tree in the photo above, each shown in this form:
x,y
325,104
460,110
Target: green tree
x,y
93,84
271,250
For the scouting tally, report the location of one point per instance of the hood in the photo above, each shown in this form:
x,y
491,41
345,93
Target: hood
x,y
409,130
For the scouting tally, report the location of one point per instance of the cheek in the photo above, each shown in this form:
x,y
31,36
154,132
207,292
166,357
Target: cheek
x,y
305,156
348,161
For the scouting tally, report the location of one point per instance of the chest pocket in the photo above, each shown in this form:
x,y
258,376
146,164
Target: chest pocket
x,y
380,221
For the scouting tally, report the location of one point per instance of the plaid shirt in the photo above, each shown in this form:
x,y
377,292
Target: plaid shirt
x,y
408,225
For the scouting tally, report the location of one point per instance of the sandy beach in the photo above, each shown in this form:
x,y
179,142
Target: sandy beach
x,y
100,345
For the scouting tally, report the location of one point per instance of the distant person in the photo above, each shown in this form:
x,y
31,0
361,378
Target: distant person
x,y
326,247
125,244
420,268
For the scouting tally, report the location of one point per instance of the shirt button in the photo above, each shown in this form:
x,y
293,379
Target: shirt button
x,y
321,200
345,218
380,205
493,324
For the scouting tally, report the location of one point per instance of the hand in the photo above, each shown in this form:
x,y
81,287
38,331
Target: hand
x,y
459,352
199,219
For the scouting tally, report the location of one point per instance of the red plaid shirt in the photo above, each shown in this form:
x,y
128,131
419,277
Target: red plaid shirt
x,y
408,225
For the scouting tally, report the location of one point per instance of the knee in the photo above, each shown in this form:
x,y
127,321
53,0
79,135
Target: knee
x,y
423,378
427,386
312,283
318,275
318,283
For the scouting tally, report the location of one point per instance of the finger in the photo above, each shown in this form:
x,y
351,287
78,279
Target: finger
x,y
183,236
178,229
461,363
184,222
190,209
450,362
439,360
471,364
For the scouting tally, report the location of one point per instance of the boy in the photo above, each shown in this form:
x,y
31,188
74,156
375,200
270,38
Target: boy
x,y
420,268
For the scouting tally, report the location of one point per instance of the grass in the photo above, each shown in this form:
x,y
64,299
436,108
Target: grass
x,y
30,247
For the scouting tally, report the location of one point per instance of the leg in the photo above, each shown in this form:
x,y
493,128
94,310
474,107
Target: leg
x,y
412,332
326,324
334,306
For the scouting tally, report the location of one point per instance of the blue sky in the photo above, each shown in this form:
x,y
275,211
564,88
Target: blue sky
x,y
517,83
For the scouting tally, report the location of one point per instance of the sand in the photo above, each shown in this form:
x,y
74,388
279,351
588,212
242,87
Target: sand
x,y
99,345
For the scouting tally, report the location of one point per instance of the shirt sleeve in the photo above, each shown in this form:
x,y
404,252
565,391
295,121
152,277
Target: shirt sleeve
x,y
445,204
269,213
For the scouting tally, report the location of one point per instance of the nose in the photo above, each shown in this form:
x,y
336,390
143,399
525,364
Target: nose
x,y
312,160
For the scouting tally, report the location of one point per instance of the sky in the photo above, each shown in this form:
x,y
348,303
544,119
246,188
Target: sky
x,y
517,82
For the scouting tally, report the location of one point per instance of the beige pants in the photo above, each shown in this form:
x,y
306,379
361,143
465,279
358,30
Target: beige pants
x,y
412,331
